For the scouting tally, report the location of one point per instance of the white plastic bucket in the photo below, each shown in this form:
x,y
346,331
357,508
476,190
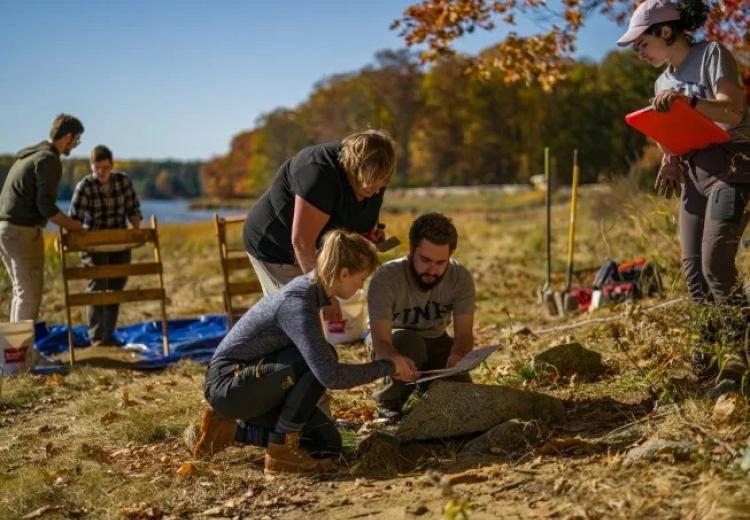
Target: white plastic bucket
x,y
352,327
16,347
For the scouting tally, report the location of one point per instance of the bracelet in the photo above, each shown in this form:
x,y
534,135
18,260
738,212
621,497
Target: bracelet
x,y
693,101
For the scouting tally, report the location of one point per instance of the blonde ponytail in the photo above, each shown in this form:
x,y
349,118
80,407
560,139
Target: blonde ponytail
x,y
343,249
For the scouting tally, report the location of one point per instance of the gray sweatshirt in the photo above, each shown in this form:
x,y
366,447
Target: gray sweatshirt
x,y
30,190
291,318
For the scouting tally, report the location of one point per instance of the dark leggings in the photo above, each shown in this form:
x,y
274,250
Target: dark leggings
x,y
275,392
712,220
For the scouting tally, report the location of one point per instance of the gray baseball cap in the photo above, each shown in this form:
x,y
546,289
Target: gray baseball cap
x,y
647,14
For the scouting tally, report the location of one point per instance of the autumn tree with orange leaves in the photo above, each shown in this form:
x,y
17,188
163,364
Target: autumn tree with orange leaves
x,y
228,176
545,57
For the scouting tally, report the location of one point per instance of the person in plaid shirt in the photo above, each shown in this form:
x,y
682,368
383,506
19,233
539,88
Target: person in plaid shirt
x,y
105,200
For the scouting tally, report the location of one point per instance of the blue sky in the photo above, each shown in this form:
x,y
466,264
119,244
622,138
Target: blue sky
x,y
178,78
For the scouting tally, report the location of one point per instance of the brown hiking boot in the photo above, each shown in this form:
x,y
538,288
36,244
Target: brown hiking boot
x,y
216,433
290,458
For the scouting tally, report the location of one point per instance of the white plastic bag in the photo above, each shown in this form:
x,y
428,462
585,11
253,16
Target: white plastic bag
x,y
352,327
16,347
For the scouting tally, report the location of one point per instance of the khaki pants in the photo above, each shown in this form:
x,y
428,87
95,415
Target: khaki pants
x,y
22,252
273,277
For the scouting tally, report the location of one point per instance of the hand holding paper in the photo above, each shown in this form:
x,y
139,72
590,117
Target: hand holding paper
x,y
468,362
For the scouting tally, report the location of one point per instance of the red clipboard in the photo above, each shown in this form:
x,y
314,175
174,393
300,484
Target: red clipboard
x,y
681,130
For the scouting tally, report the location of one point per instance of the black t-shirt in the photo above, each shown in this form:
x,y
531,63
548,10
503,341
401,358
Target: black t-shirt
x,y
316,175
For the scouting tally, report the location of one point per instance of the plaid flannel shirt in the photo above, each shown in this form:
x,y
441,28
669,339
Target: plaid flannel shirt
x,y
108,206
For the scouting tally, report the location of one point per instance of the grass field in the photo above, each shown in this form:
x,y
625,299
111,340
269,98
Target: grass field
x,y
103,443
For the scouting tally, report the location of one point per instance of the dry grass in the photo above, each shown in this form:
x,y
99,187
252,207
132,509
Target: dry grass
x,y
102,443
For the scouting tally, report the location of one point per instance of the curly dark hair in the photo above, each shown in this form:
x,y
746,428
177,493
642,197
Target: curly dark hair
x,y
693,14
435,227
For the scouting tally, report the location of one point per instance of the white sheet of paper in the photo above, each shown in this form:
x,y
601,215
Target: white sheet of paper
x,y
468,362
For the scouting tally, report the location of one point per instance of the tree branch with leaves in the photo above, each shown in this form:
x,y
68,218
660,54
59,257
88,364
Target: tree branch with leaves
x,y
543,57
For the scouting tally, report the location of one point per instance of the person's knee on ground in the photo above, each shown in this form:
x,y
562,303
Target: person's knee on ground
x,y
216,432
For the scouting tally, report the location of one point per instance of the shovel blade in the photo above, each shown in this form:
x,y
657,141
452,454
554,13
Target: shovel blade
x,y
549,303
570,303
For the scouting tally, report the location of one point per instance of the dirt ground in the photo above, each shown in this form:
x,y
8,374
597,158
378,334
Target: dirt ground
x,y
107,442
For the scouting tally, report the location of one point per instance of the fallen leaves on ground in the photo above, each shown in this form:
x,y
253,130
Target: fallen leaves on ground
x,y
96,452
357,414
724,409
126,401
142,511
110,417
186,469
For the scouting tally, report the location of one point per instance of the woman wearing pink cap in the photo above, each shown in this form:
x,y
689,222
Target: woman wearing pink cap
x,y
714,182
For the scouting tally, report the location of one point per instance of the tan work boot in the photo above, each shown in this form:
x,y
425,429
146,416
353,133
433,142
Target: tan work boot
x,y
216,433
290,458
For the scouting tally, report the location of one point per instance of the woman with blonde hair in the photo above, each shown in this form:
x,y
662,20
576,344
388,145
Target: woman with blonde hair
x,y
336,185
267,374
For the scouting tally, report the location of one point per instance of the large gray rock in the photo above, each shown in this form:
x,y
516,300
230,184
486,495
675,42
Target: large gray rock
x,y
451,408
569,359
509,436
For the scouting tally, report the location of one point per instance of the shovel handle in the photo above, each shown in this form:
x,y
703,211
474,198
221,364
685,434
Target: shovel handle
x,y
572,225
548,204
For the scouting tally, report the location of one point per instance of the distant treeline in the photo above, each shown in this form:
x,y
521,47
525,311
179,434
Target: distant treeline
x,y
451,127
151,179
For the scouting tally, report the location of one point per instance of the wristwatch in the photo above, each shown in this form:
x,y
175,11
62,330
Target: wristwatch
x,y
693,101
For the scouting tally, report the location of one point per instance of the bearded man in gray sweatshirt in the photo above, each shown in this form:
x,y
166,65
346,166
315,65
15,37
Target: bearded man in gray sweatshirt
x,y
27,202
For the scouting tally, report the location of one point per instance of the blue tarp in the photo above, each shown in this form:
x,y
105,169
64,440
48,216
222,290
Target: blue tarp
x,y
195,338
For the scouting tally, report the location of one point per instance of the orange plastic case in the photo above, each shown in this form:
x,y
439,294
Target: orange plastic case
x,y
681,130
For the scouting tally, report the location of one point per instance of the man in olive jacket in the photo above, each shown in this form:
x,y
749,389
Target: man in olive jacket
x,y
27,202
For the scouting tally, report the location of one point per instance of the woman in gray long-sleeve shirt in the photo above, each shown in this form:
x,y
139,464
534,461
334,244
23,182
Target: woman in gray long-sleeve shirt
x,y
267,374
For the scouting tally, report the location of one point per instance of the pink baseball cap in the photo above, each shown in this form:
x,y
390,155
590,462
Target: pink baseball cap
x,y
647,14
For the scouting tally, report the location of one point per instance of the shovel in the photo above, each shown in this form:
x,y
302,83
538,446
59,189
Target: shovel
x,y
545,294
564,301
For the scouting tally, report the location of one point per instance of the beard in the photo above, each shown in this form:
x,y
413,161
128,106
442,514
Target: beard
x,y
425,284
